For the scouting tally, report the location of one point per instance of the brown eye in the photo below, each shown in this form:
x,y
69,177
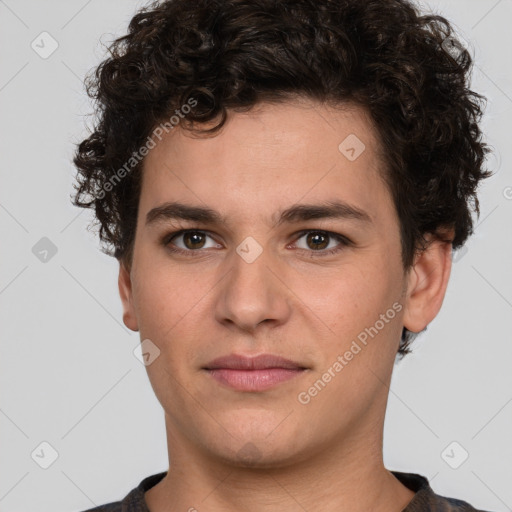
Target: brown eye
x,y
317,240
193,239
321,243
189,241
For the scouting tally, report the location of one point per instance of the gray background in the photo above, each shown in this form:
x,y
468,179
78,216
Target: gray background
x,y
68,373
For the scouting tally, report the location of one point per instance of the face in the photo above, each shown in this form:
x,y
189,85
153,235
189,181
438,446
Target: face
x,y
322,287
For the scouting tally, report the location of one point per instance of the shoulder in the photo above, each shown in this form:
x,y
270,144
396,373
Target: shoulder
x,y
443,504
426,500
115,506
134,501
455,505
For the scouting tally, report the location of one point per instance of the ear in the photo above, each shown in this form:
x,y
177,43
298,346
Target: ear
x,y
427,283
125,291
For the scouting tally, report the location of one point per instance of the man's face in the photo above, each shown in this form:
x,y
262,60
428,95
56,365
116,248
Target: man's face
x,y
253,285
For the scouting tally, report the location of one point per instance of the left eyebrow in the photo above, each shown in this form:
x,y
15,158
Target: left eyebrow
x,y
326,210
293,214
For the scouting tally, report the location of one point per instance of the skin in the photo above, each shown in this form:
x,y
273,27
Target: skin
x,y
255,451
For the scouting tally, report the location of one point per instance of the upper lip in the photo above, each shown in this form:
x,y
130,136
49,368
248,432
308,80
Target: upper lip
x,y
261,362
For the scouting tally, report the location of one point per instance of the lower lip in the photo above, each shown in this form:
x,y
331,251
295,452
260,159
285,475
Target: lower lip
x,y
253,380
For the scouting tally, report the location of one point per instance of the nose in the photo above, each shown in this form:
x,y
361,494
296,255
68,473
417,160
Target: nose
x,y
252,293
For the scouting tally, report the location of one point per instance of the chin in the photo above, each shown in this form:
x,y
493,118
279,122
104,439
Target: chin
x,y
251,456
257,452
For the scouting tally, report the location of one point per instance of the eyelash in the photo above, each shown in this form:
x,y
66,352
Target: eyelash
x,y
343,241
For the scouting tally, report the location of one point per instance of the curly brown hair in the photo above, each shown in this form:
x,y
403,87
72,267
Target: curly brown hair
x,y
406,69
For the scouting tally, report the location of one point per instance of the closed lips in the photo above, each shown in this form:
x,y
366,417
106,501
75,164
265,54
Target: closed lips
x,y
261,362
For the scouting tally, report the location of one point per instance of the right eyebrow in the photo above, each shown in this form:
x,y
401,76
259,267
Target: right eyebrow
x,y
175,210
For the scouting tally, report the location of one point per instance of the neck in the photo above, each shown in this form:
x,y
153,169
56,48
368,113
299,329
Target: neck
x,y
347,477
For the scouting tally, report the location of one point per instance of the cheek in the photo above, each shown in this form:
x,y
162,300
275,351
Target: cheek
x,y
164,293
349,296
153,305
170,306
357,355
358,304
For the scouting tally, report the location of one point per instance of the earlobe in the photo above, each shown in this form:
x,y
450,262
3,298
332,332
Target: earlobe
x,y
428,281
126,294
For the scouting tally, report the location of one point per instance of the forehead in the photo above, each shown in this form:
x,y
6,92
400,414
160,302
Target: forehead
x,y
267,158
